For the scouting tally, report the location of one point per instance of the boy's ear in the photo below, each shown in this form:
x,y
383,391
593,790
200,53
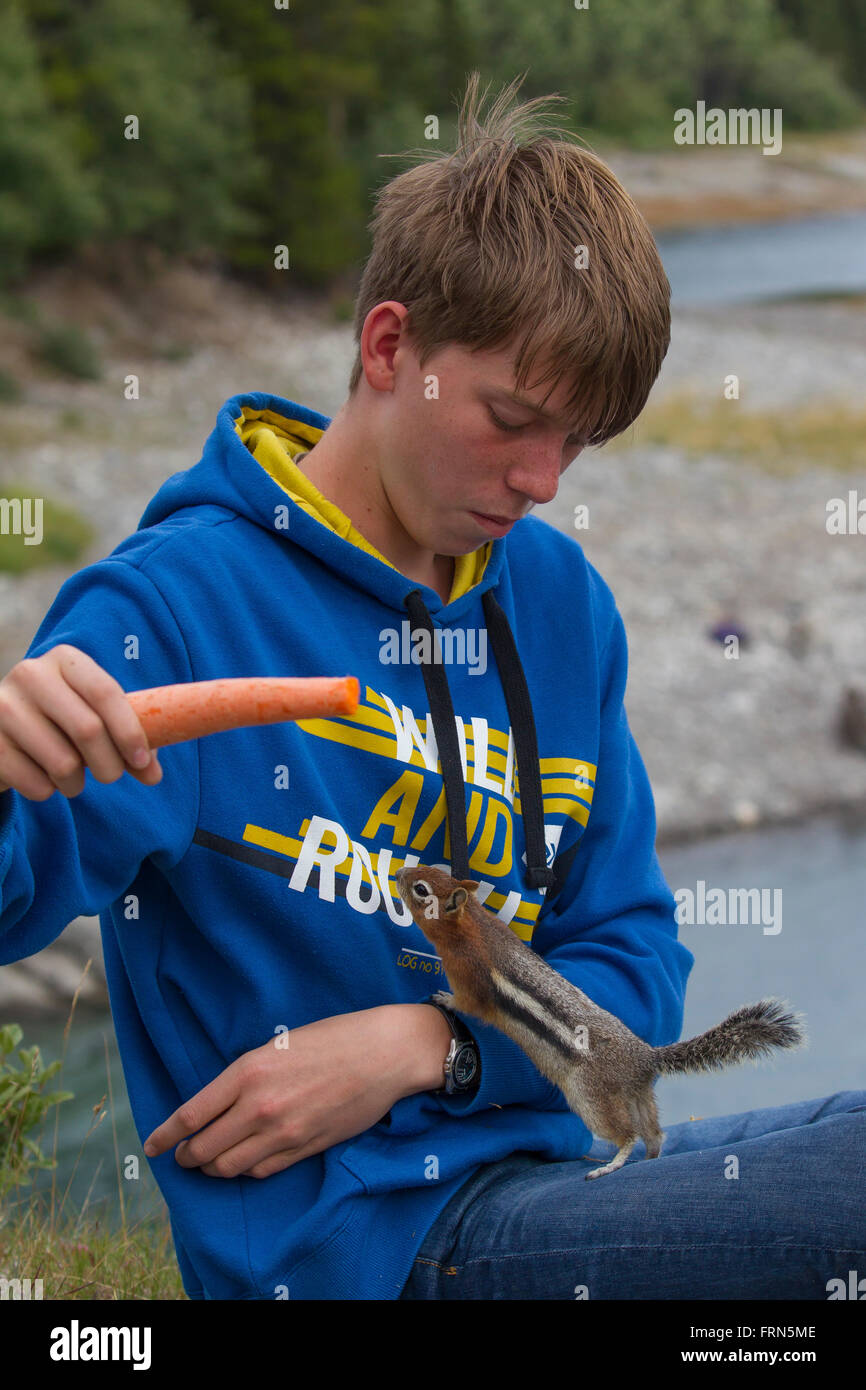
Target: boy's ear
x,y
469,884
455,901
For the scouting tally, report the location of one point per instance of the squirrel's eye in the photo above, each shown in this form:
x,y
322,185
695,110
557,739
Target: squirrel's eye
x,y
421,889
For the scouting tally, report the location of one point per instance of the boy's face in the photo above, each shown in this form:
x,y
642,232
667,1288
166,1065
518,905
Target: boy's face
x,y
446,460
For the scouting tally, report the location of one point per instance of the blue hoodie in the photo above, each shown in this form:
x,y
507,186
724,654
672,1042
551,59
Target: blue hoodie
x,y
252,890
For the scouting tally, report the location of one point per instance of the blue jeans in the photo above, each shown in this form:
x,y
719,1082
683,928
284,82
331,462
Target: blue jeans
x,y
681,1226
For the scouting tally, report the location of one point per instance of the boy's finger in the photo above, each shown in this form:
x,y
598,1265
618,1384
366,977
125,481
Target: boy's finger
x,y
198,1111
108,698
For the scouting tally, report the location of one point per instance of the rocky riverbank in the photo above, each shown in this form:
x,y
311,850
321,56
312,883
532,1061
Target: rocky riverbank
x,y
691,186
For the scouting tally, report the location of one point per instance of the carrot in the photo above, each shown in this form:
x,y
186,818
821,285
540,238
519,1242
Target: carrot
x,y
174,713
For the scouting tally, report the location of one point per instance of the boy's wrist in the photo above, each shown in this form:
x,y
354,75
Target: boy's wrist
x,y
425,1038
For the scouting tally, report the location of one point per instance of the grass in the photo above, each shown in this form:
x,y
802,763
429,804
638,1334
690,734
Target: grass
x,y
65,534
172,352
76,1257
65,347
25,429
74,1253
827,434
68,349
18,308
10,387
342,308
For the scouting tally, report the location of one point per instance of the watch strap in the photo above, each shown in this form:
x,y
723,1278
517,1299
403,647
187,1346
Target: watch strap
x,y
460,1037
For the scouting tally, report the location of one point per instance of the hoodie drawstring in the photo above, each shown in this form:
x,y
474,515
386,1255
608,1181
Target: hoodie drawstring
x,y
539,875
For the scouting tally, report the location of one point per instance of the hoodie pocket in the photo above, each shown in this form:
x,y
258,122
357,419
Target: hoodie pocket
x,y
386,1162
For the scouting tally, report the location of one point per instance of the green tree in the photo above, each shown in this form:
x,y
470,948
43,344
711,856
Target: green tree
x,y
47,201
748,58
626,66
834,28
323,77
183,181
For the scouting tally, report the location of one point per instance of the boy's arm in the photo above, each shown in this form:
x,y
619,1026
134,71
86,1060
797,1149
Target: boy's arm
x,y
70,856
611,929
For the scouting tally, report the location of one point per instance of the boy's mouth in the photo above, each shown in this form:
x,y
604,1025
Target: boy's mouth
x,y
496,525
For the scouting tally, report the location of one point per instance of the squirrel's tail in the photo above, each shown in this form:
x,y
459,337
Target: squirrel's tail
x,y
750,1032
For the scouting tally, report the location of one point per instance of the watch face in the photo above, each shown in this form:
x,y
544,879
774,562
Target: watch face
x,y
465,1065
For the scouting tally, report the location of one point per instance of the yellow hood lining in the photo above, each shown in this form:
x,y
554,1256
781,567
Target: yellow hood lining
x,y
275,441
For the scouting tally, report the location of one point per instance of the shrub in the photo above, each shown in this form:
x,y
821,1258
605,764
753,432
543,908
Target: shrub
x,y
67,348
23,1104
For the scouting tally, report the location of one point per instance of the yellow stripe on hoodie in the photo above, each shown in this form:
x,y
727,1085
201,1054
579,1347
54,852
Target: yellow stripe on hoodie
x,y
275,442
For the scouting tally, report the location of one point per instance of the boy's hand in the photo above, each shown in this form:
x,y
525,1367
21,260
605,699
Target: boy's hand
x,y
279,1104
60,713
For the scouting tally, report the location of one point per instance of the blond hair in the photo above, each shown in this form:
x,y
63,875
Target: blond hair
x,y
480,247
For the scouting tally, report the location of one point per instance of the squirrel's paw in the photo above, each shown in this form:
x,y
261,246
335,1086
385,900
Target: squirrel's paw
x,y
616,1162
599,1172
444,998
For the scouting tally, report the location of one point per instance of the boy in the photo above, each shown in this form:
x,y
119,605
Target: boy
x,y
268,987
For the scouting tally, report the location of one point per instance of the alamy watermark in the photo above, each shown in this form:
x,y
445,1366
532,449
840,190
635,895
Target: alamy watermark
x,y
455,646
730,907
17,518
20,1288
738,126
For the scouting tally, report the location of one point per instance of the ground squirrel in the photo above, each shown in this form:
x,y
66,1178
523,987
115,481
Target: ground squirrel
x,y
605,1072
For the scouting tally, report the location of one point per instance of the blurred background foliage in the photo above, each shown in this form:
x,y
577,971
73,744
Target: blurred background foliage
x,y
261,126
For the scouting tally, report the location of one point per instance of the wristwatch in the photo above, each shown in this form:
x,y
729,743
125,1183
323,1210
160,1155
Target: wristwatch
x,y
463,1063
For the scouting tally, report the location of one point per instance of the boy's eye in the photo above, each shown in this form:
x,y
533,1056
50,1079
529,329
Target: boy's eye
x,y
501,423
570,443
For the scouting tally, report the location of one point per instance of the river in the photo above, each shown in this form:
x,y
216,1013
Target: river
x,y
754,261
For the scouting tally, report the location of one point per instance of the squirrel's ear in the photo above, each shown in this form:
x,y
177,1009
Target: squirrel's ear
x,y
456,900
469,884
